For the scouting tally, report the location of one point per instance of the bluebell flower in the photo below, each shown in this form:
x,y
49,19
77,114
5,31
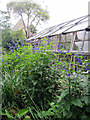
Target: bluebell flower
x,y
76,55
12,40
60,52
15,40
84,56
24,52
22,44
63,66
16,55
19,59
15,47
58,46
11,47
35,42
12,50
68,51
12,71
68,74
2,60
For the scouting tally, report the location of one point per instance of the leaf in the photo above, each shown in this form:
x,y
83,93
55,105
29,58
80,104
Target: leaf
x,y
8,114
86,98
77,102
67,105
65,113
27,118
63,94
22,112
34,82
2,113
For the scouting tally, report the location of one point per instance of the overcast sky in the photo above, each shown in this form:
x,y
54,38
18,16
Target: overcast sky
x,y
59,10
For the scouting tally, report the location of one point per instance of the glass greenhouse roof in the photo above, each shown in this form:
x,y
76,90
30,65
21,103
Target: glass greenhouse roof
x,y
78,24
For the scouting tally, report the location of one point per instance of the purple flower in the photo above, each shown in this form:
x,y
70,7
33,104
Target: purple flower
x,y
76,55
16,55
12,50
84,56
2,60
58,46
15,40
12,71
22,44
15,47
68,74
68,51
24,52
14,44
12,40
60,52
11,47
63,66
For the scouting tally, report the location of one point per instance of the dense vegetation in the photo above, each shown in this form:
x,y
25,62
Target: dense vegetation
x,y
37,85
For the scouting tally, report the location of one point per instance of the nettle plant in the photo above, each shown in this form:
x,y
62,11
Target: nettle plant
x,y
28,76
72,99
49,87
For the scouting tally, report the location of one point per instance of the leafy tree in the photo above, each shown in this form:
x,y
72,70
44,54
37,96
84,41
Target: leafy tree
x,y
4,20
33,29
7,36
34,12
5,29
19,35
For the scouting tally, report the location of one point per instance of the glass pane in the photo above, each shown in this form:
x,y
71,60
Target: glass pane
x,y
62,38
80,35
86,46
87,35
67,46
69,37
77,46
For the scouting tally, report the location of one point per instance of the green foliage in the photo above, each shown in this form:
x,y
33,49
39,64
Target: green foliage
x,y
72,99
7,36
4,20
19,35
38,85
29,78
10,38
33,29
34,12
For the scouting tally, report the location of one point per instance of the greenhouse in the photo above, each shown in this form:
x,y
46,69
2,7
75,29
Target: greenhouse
x,y
72,35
